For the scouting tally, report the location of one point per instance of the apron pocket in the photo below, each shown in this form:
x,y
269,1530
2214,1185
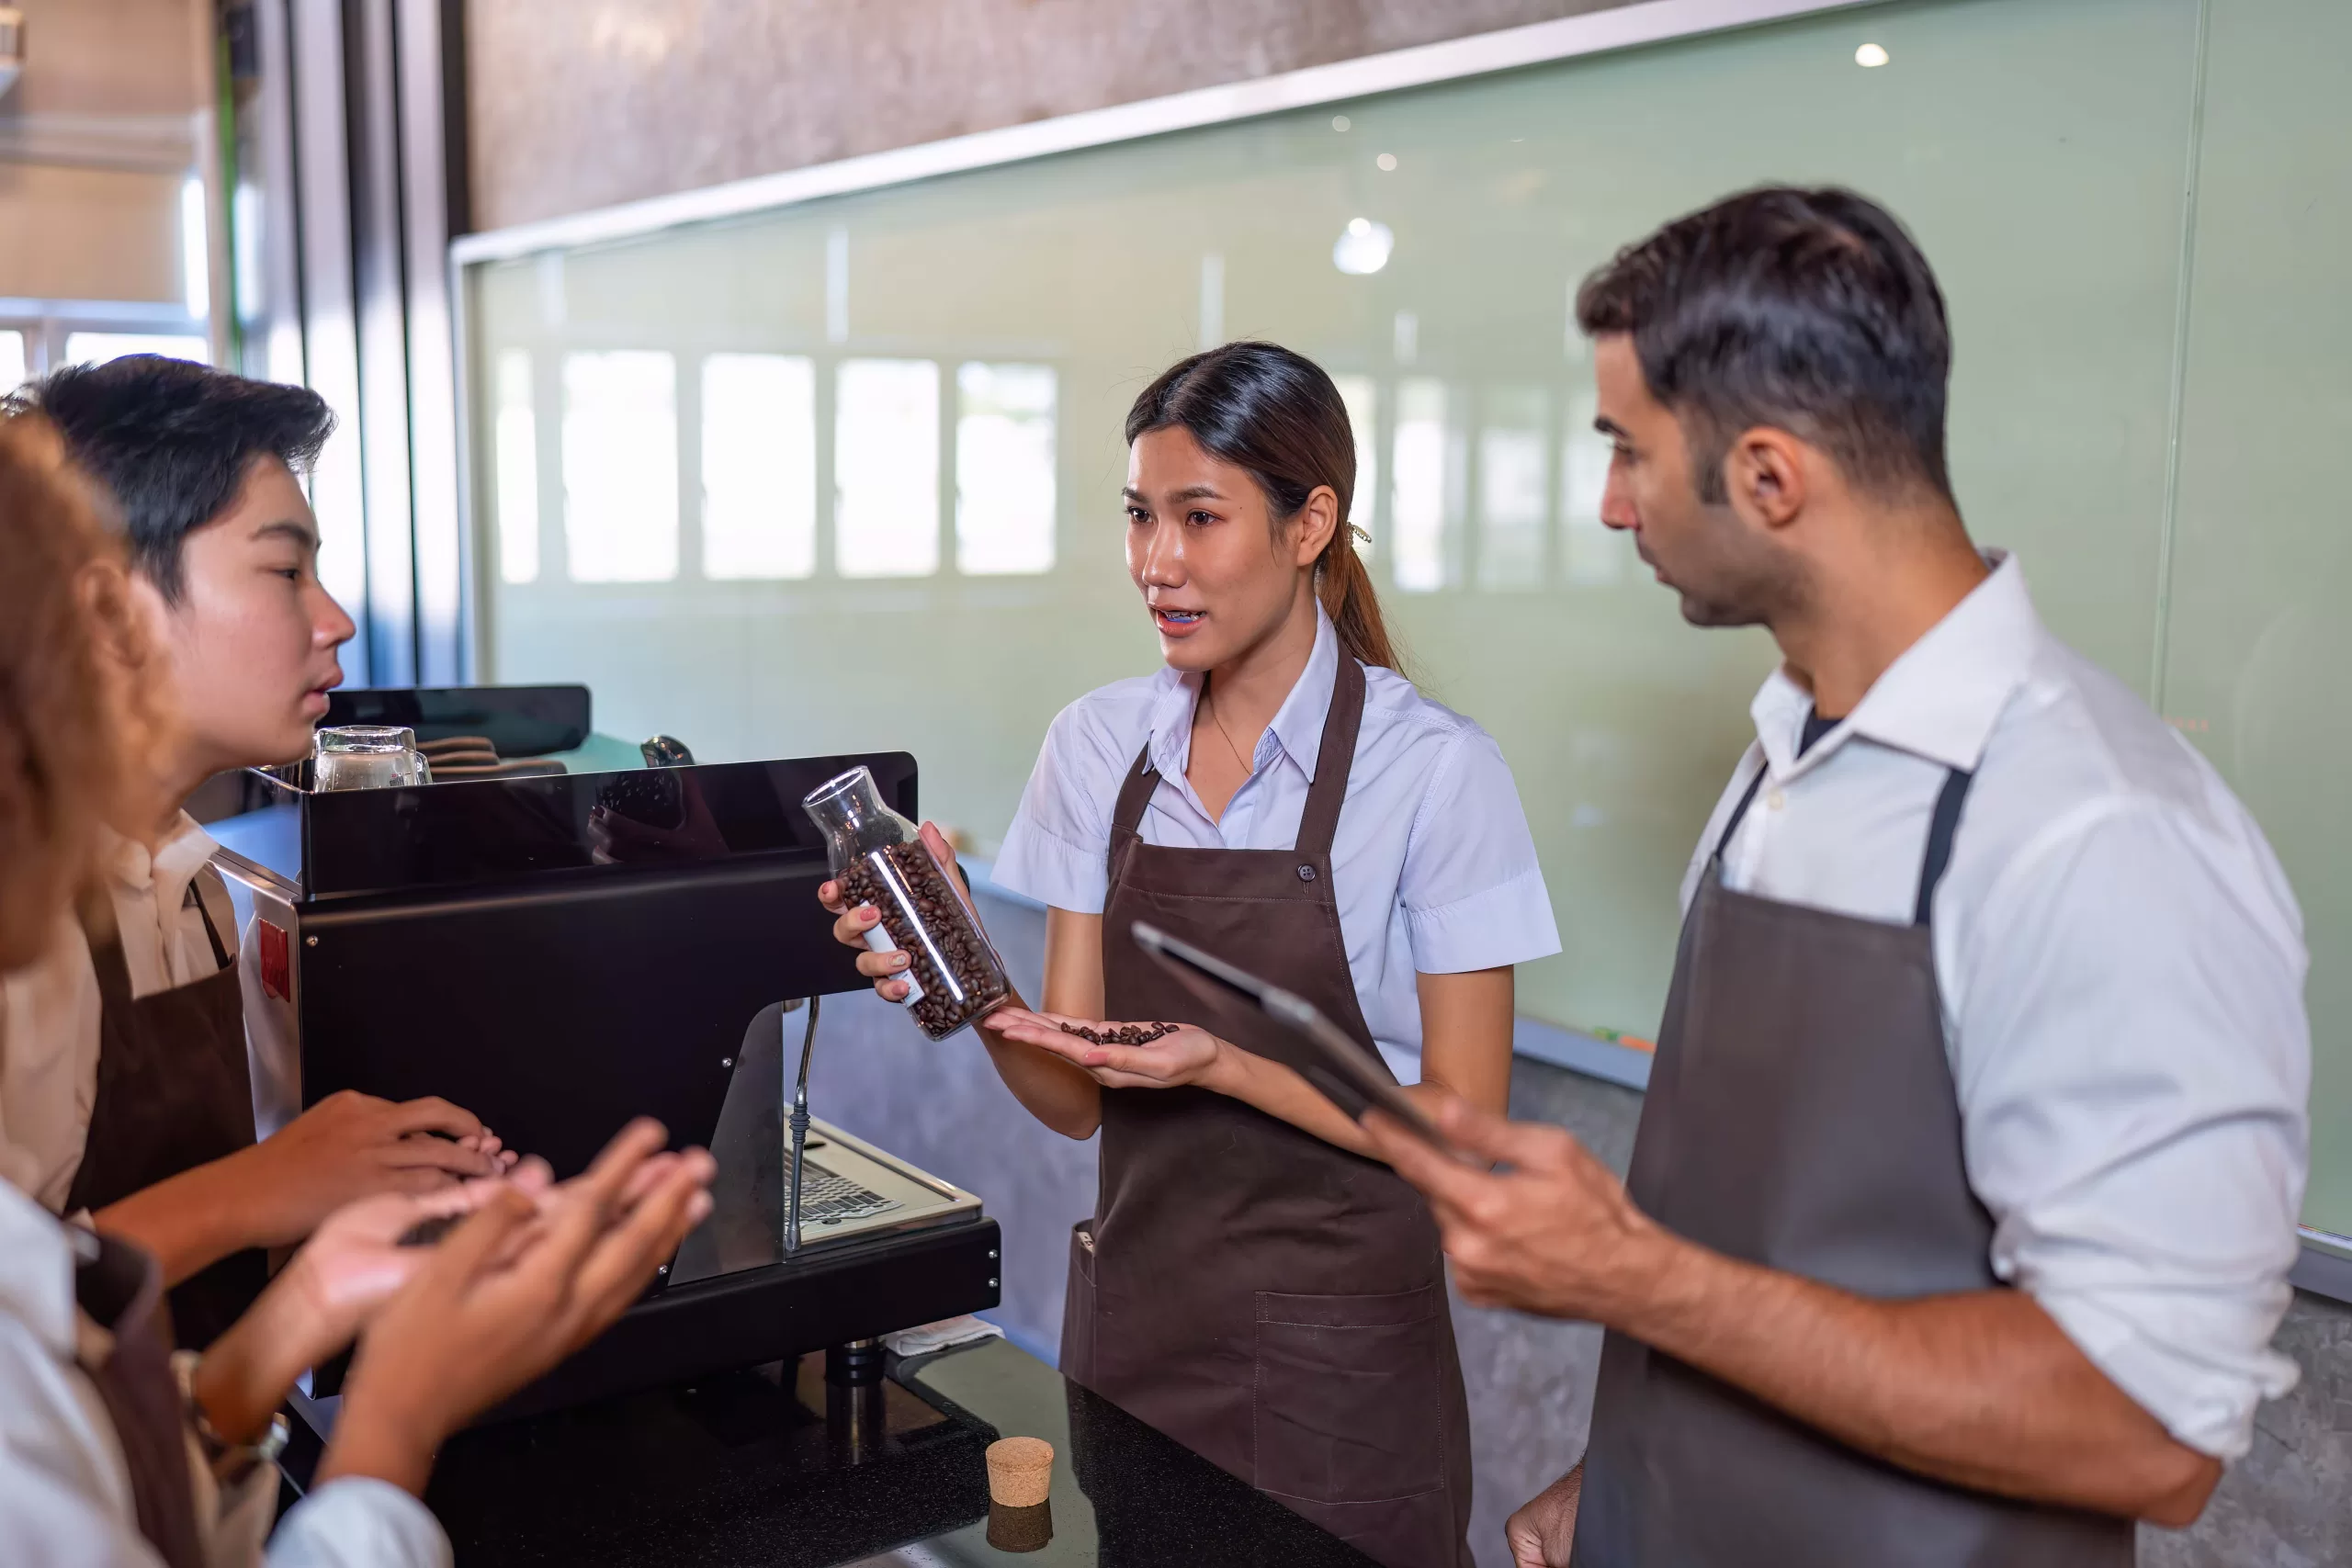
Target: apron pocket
x,y
1349,1402
1078,1307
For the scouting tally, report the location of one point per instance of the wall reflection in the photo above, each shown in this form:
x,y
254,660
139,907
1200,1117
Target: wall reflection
x,y
514,453
759,466
886,468
620,466
1004,468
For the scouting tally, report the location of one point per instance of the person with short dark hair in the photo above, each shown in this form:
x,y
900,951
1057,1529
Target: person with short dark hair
x,y
1960,1214
130,1085
1251,1283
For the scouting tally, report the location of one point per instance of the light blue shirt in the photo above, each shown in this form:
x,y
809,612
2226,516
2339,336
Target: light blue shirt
x,y
1432,866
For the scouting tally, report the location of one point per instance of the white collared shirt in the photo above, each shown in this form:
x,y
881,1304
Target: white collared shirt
x,y
49,1009
65,1489
2121,967
1432,865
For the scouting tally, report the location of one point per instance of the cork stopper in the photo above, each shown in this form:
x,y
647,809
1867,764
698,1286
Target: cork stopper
x,y
1021,1472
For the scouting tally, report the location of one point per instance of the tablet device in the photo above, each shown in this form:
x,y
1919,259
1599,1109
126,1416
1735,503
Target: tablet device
x,y
1340,1068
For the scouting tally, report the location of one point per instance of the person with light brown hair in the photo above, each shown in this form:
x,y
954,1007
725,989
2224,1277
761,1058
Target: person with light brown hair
x,y
1255,1282
112,1451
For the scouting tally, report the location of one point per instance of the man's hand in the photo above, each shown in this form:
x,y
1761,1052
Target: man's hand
x,y
1553,1232
516,1288
347,1147
1185,1055
1979,1388
352,1146
1546,1526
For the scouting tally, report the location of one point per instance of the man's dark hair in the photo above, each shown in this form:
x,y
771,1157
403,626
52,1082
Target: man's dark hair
x,y
1809,310
171,441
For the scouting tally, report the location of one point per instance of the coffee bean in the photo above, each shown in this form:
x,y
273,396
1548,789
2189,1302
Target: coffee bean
x,y
905,875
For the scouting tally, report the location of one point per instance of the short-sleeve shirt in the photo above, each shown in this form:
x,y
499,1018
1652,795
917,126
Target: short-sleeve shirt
x,y
1432,865
2122,965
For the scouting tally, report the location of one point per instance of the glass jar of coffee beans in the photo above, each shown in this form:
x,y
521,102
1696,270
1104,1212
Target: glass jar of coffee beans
x,y
877,856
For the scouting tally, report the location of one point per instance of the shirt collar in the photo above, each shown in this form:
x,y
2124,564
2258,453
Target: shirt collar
x,y
166,870
1939,700
1297,729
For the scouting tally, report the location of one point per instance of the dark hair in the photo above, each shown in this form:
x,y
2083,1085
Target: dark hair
x,y
171,442
1263,408
1810,311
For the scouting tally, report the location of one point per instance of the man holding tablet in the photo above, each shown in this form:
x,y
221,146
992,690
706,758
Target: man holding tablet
x,y
1960,1214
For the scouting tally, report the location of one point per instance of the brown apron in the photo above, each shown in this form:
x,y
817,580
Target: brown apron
x,y
1270,1300
175,1091
1801,1115
121,1289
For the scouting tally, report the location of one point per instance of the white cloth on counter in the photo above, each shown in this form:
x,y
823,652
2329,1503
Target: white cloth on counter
x,y
1433,867
65,1489
944,1335
2121,967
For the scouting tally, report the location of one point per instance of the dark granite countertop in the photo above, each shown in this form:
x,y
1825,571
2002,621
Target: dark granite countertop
x,y
775,1467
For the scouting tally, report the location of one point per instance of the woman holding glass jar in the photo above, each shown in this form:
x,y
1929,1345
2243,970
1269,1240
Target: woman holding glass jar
x,y
1253,1282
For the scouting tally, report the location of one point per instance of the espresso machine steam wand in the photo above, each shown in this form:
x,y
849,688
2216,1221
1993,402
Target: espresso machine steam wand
x,y
798,1122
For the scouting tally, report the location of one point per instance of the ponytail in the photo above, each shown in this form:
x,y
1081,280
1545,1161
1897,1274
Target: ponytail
x,y
1345,588
1276,414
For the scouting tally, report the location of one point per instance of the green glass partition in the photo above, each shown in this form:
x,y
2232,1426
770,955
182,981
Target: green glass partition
x,y
843,474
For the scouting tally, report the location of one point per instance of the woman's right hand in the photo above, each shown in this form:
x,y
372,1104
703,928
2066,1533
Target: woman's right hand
x,y
517,1287
887,970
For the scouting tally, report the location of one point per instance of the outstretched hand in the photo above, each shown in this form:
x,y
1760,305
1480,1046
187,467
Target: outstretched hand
x,y
1185,1055
521,1284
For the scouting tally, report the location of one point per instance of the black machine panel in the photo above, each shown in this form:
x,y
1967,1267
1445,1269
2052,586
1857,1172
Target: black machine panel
x,y
558,955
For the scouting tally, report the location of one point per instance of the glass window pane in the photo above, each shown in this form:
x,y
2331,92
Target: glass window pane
x,y
759,466
516,456
1596,555
1512,489
93,348
12,359
886,468
1419,505
1362,398
620,466
1004,468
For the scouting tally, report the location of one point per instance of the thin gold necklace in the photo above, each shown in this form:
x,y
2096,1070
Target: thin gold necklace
x,y
1208,700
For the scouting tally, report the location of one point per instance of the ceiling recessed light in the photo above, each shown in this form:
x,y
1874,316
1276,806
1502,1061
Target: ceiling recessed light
x,y
1388,161
1340,122
1363,247
1869,54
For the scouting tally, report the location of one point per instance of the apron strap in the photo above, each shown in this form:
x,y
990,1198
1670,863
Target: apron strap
x,y
1941,828
211,931
1940,836
1319,822
1739,812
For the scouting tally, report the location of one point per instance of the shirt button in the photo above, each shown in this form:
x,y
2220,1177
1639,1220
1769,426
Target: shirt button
x,y
1776,800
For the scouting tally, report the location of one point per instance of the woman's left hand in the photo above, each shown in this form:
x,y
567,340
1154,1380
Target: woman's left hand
x,y
1187,1055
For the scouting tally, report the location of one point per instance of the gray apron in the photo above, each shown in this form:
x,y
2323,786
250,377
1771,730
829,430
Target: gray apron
x,y
1801,1116
1271,1301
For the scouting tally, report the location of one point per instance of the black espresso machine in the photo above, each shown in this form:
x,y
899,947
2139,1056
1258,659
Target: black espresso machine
x,y
558,951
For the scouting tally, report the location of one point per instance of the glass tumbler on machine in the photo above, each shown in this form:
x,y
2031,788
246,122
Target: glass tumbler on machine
x,y
879,858
367,756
